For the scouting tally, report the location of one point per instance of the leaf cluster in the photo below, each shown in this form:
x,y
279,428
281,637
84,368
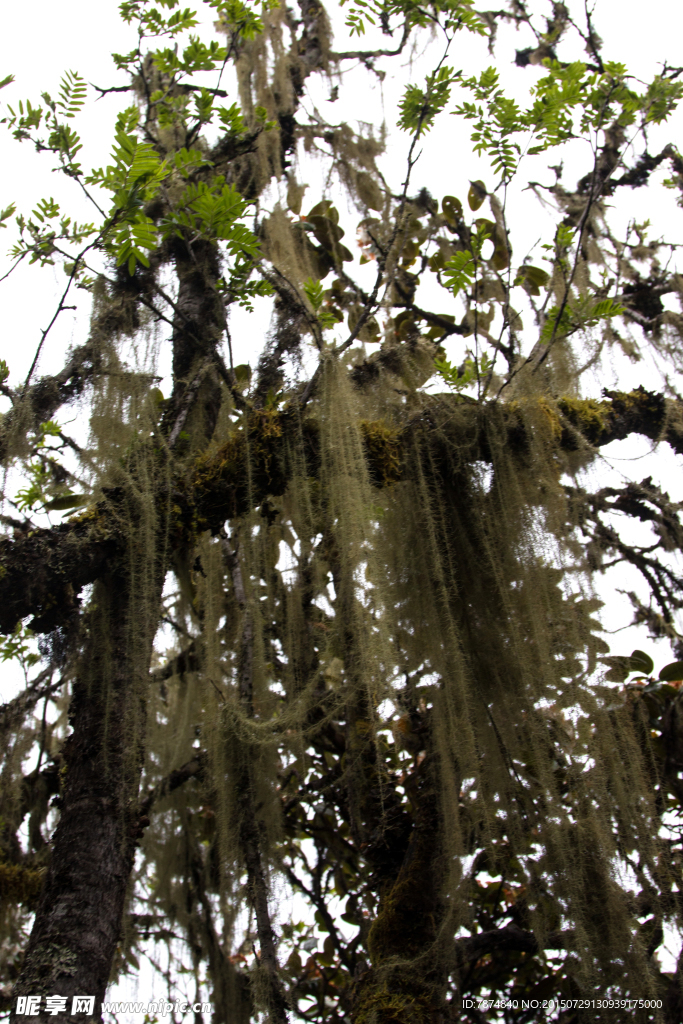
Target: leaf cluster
x,y
450,14
458,378
26,120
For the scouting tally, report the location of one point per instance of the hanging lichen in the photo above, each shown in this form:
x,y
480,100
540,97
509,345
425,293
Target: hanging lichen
x,y
323,628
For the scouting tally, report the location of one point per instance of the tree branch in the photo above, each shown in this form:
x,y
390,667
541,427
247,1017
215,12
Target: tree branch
x,y
501,940
43,572
622,413
366,55
46,396
192,769
15,709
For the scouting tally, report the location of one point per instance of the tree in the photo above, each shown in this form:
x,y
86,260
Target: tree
x,y
319,627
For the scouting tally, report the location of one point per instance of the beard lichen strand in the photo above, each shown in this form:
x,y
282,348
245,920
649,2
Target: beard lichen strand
x,y
448,598
503,602
470,567
246,759
359,640
272,75
473,569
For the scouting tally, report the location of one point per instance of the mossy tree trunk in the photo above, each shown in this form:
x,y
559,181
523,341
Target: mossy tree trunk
x,y
78,921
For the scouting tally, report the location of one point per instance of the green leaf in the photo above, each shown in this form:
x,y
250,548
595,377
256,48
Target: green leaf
x,y
672,672
243,373
135,235
532,279
6,214
189,160
603,310
314,293
15,645
240,18
451,209
477,194
72,93
46,210
329,316
460,271
203,102
50,429
67,501
419,107
642,662
231,119
472,370
620,666
557,324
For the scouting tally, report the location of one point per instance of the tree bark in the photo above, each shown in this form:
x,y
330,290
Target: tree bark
x,y
78,921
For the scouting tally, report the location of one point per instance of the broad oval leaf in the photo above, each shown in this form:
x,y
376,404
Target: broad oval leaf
x,y
451,208
327,233
672,672
532,279
501,257
67,501
642,662
618,668
477,194
243,373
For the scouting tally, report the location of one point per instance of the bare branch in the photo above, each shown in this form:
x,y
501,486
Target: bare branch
x,y
192,769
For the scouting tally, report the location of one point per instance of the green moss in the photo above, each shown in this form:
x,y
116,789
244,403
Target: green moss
x,y
550,416
380,1006
405,924
383,451
644,411
622,413
19,884
589,416
250,460
404,984
93,514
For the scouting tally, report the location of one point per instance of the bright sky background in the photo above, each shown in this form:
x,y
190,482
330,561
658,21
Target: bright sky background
x,y
41,40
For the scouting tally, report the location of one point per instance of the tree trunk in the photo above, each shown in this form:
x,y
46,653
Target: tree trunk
x,y
78,921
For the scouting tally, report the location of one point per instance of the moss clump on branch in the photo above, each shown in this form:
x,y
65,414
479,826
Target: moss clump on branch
x,y
589,416
255,461
383,450
616,416
385,1004
20,884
